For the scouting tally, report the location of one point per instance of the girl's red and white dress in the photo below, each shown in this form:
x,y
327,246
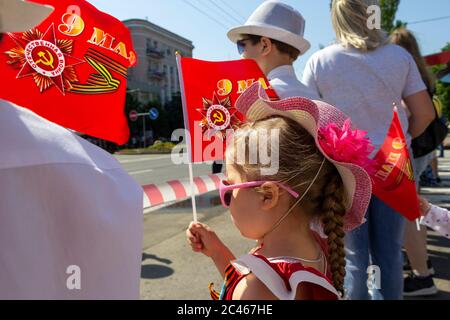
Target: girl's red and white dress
x,y
281,275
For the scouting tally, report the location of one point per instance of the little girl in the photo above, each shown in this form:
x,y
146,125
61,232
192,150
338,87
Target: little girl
x,y
320,185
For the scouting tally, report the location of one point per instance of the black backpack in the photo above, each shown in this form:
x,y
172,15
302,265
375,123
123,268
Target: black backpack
x,y
433,136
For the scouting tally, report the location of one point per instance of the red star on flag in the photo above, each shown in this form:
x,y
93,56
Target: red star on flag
x,y
218,115
45,58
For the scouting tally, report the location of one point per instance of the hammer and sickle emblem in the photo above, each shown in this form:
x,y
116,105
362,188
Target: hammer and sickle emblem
x,y
219,117
46,60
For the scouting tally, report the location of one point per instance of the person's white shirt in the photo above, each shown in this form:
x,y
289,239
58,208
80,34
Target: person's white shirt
x,y
285,83
69,215
364,85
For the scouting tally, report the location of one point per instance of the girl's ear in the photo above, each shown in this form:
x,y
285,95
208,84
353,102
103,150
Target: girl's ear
x,y
270,195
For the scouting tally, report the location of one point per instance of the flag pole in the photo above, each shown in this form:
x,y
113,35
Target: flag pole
x,y
188,138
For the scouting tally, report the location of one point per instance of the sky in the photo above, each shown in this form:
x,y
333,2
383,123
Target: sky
x,y
206,22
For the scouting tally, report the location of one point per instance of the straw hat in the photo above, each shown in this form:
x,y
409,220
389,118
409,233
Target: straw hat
x,y
315,116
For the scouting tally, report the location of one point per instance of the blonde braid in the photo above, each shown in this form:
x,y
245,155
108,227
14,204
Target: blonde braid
x,y
332,206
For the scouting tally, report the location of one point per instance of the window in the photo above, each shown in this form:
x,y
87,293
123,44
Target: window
x,y
149,43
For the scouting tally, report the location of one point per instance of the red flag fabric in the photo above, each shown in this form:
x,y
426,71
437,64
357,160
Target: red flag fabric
x,y
393,178
71,69
209,91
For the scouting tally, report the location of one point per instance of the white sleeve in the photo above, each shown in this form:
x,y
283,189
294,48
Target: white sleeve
x,y
438,219
414,82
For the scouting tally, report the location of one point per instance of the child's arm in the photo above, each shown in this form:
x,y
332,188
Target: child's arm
x,y
435,217
204,240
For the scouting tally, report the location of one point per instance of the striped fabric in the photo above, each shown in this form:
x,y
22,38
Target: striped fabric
x,y
231,277
176,190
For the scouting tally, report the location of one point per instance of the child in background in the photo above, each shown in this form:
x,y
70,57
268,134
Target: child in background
x,y
320,182
435,217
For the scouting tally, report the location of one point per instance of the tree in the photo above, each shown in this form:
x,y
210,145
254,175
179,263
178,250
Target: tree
x,y
175,110
160,126
132,103
443,89
389,10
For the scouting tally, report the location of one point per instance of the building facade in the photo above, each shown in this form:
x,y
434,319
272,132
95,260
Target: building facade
x,y
155,77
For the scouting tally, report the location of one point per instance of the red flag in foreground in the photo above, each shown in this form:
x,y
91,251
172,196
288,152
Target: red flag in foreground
x,y
71,69
209,91
393,179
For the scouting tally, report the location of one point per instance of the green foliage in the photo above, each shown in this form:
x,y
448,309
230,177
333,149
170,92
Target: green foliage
x,y
131,103
170,116
160,126
175,110
443,89
388,12
162,147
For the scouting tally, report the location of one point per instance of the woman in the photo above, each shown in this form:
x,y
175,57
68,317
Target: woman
x,y
420,281
363,75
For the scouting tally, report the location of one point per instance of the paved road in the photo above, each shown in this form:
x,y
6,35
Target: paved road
x,y
148,169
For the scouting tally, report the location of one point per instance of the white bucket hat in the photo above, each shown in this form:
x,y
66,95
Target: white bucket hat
x,y
19,15
277,21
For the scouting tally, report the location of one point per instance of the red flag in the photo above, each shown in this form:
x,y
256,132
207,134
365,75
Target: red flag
x,y
71,69
209,91
393,179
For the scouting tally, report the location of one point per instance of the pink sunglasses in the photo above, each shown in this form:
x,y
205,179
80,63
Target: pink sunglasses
x,y
226,190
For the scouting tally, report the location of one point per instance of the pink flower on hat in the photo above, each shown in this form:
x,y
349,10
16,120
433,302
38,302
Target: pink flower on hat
x,y
347,146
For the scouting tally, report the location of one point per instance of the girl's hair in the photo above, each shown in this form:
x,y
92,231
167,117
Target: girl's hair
x,y
299,161
406,39
349,18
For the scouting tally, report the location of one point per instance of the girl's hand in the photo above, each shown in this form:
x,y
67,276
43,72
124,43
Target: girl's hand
x,y
424,206
203,239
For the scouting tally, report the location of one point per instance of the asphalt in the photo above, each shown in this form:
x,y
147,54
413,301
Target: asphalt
x,y
154,169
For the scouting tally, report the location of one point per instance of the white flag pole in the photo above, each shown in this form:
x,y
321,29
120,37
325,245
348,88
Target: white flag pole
x,y
191,181
418,224
188,137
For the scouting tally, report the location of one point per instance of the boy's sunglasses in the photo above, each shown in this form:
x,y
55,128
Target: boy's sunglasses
x,y
241,45
226,190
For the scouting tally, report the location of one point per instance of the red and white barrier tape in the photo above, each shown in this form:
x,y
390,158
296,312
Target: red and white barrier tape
x,y
170,191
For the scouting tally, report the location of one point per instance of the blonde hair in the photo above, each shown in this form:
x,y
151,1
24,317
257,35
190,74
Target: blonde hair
x,y
406,39
299,162
349,18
